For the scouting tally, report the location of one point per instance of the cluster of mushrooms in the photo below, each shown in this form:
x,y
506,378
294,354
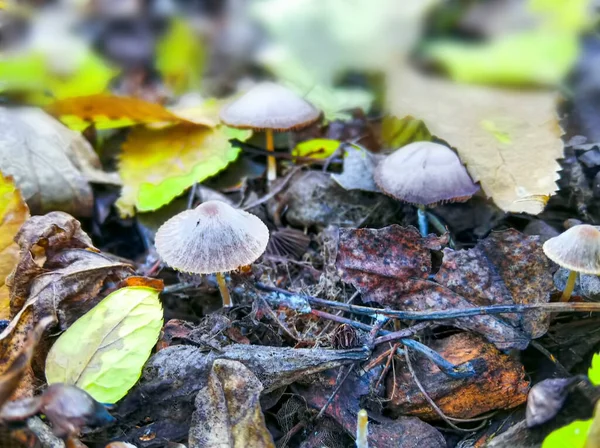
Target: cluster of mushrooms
x,y
215,238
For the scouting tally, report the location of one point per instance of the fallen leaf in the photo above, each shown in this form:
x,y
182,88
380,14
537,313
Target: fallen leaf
x,y
68,408
173,376
317,148
398,132
503,269
594,370
103,352
13,213
508,140
59,275
574,435
180,57
500,385
42,161
109,112
390,266
228,409
10,378
358,169
158,165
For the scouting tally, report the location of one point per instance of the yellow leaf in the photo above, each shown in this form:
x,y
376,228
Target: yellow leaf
x,y
317,148
13,213
158,165
396,132
107,112
508,140
104,351
180,57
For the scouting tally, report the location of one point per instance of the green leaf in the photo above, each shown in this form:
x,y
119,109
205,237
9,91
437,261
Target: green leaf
x,y
594,370
318,148
398,132
180,57
573,435
540,58
158,165
104,351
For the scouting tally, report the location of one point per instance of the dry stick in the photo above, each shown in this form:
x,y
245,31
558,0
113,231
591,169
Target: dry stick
x,y
430,400
334,393
280,186
443,314
283,155
43,433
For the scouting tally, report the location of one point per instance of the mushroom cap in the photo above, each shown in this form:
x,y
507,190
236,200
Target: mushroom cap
x,y
577,249
424,173
213,237
269,106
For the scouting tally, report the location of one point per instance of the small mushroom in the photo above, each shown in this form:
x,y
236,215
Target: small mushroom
x,y
272,108
578,250
213,238
424,174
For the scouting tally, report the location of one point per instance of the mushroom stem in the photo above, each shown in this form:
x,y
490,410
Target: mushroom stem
x,y
422,217
223,289
362,429
566,295
271,161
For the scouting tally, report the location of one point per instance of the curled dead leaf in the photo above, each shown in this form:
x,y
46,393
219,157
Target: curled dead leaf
x,y
228,409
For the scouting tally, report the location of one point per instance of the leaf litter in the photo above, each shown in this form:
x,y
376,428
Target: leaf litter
x,y
447,338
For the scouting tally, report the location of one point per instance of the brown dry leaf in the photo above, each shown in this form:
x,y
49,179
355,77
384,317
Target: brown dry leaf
x,y
390,266
508,140
59,275
500,385
37,152
13,213
505,268
228,410
11,377
107,112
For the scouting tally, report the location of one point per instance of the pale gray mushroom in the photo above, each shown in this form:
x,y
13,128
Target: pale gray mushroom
x,y
213,238
271,108
424,174
578,250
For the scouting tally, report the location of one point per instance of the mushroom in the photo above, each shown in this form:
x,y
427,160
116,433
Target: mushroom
x,y
424,174
272,108
213,238
578,250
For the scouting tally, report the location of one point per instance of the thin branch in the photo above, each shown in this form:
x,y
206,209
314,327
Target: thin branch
x,y
277,188
568,307
43,433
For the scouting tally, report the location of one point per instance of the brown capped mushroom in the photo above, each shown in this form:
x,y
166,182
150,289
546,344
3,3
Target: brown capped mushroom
x,y
578,250
424,174
213,238
272,108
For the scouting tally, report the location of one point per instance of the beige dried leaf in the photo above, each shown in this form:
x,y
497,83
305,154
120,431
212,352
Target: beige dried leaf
x,y
508,140
42,162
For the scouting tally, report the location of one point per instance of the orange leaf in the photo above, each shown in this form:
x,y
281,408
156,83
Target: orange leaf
x,y
13,213
108,112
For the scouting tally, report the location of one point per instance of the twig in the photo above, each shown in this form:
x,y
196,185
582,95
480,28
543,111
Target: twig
x,y
430,400
43,433
334,393
192,195
280,186
568,307
464,370
284,155
561,369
